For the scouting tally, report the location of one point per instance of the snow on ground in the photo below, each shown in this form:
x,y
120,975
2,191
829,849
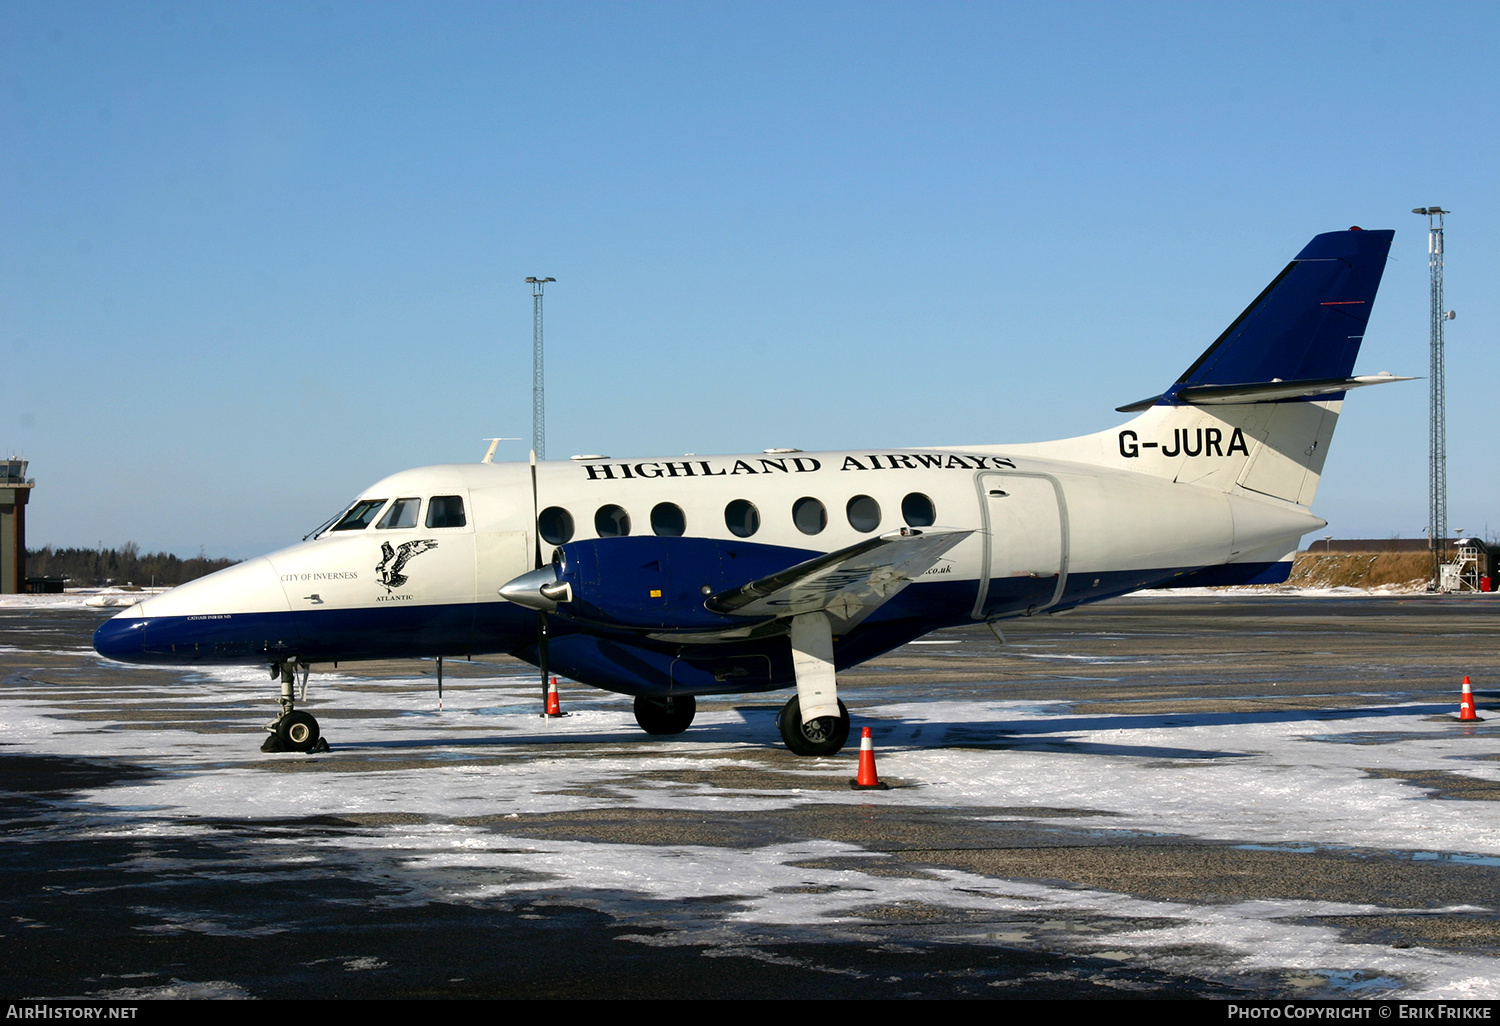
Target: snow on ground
x,y
1274,779
81,598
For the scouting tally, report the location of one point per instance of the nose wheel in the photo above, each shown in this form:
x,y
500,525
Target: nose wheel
x,y
298,732
294,730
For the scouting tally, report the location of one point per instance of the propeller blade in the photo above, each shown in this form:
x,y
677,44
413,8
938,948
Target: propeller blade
x,y
541,615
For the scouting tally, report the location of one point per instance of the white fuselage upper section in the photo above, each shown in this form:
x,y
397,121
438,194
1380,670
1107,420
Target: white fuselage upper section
x,y
1031,517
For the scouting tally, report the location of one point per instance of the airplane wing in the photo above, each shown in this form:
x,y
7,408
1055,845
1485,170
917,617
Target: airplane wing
x,y
651,584
848,585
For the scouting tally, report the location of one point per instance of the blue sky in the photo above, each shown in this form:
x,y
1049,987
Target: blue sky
x,y
259,255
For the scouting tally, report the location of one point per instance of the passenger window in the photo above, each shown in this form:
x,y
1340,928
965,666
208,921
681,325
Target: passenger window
x,y
445,511
359,516
667,520
918,511
864,513
403,513
555,525
611,522
742,518
810,515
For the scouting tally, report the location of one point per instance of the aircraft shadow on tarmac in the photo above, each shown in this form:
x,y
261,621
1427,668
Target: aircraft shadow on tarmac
x,y
1051,734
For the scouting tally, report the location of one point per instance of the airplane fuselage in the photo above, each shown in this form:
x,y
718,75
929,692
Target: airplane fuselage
x,y
1047,535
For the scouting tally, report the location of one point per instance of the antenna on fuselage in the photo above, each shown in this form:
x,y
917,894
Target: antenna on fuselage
x,y
538,389
489,454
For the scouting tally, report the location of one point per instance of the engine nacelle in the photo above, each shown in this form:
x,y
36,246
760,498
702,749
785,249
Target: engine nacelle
x,y
652,583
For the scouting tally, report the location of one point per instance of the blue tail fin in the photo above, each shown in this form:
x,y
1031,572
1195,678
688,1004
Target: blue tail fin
x,y
1304,328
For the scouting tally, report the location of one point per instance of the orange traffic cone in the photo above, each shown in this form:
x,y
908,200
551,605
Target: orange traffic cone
x,y
554,708
867,779
1466,709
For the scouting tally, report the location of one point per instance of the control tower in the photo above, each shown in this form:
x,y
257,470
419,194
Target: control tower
x,y
15,489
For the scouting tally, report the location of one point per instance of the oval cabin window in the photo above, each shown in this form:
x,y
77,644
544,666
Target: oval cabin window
x,y
611,522
555,525
918,511
742,518
864,513
810,515
667,520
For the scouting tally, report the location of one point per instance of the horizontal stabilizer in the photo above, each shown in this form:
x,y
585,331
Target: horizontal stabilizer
x,y
1265,391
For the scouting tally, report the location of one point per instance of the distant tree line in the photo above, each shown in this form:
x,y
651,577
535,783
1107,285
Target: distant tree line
x,y
85,568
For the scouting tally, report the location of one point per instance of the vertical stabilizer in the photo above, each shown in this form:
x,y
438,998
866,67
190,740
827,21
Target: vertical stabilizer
x,y
1257,410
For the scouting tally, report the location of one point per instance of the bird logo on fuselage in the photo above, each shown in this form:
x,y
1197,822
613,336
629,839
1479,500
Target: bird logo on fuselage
x,y
396,557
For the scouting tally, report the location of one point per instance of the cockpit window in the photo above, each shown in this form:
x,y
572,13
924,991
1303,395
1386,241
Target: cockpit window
x,y
359,516
403,513
446,511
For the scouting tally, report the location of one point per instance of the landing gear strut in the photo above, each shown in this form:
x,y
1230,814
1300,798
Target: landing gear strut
x,y
293,731
665,715
822,736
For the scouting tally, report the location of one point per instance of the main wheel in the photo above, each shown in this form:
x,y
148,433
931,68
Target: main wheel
x,y
665,715
298,731
823,736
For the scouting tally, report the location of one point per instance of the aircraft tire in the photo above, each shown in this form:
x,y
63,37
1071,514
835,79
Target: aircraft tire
x,y
823,736
662,716
298,732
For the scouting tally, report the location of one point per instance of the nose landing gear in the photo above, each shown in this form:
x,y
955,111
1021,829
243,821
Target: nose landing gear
x,y
293,731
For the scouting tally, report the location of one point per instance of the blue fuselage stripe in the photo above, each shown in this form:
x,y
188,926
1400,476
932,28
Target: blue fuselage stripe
x,y
593,656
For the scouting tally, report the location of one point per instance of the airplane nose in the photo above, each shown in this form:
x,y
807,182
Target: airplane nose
x,y
122,637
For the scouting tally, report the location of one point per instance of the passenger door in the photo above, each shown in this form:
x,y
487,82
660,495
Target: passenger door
x,y
1025,540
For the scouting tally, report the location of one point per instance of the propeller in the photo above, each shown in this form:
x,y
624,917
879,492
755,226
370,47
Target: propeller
x,y
541,614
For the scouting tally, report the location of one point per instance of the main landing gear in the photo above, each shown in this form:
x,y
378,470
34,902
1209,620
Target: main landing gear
x,y
662,716
824,735
293,730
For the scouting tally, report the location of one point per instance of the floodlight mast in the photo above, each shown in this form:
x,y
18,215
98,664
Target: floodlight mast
x,y
1437,430
538,385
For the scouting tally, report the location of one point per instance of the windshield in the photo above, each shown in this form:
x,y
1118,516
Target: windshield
x,y
403,513
360,515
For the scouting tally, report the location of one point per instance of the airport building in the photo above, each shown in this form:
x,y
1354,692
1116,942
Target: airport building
x,y
15,490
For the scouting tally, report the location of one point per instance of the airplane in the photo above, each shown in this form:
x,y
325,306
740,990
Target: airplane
x,y
666,579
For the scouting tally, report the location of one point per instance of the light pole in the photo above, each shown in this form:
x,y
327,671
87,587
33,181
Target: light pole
x,y
1437,431
538,386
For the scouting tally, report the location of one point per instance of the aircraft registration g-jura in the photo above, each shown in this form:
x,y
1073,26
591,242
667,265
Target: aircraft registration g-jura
x,y
670,578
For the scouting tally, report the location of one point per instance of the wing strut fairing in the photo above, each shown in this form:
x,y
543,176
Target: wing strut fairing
x,y
812,660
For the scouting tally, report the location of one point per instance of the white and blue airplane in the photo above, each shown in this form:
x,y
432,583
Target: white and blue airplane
x,y
669,578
